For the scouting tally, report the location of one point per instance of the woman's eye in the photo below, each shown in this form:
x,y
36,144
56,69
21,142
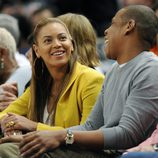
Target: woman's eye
x,y
63,38
47,40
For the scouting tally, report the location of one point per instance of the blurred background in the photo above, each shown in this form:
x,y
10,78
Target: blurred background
x,y
99,12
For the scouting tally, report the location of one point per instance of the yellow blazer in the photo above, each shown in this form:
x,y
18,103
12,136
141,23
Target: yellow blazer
x,y
74,104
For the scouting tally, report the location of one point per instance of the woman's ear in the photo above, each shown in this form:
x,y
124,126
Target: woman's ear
x,y
73,45
130,26
35,48
72,49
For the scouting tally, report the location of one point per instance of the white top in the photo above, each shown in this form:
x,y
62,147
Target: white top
x,y
22,76
122,65
22,60
46,115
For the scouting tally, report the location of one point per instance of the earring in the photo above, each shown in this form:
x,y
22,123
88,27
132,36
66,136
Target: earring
x,y
2,63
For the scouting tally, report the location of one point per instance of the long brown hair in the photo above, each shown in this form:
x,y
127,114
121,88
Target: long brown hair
x,y
84,35
41,79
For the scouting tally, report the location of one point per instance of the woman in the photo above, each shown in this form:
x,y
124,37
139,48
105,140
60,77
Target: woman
x,y
84,35
59,96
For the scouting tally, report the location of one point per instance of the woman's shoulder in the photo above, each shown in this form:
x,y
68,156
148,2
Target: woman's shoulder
x,y
88,74
85,70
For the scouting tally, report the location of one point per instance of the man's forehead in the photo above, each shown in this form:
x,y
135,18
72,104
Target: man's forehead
x,y
120,12
119,15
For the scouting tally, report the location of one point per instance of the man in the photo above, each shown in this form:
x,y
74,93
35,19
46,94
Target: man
x,y
149,146
15,85
12,83
127,108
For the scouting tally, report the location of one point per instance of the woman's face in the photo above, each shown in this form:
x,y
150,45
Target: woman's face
x,y
54,45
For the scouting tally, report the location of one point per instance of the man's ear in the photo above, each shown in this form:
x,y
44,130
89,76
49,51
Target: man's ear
x,y
130,26
35,48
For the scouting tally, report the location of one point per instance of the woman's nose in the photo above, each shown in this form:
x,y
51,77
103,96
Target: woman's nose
x,y
56,43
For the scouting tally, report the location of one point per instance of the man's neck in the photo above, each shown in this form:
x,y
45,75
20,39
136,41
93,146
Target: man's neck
x,y
128,55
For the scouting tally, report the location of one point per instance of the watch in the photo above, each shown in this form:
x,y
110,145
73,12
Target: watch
x,y
69,140
155,147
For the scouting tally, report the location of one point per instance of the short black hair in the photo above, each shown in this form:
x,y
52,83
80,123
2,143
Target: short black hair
x,y
146,22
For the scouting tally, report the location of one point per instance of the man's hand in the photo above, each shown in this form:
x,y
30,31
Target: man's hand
x,y
36,143
11,138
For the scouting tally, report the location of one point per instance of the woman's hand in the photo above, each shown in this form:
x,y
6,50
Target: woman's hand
x,y
38,142
19,123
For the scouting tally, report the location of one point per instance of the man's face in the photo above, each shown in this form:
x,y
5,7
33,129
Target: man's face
x,y
114,36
